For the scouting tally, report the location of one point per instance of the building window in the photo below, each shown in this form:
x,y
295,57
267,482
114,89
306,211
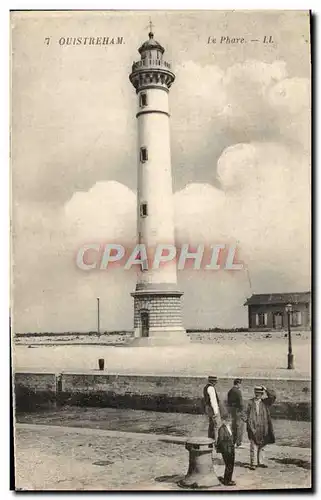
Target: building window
x,y
261,319
296,318
277,320
143,100
143,154
143,209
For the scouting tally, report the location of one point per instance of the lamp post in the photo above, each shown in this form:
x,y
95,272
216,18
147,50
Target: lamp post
x,y
98,317
288,310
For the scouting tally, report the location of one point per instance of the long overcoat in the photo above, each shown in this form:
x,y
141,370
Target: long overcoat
x,y
259,426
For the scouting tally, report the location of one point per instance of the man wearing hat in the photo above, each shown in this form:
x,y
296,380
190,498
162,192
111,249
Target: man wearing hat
x,y
236,408
259,424
225,446
212,407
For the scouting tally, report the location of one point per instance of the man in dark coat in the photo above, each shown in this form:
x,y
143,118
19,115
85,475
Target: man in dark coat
x,y
236,408
212,406
225,446
259,424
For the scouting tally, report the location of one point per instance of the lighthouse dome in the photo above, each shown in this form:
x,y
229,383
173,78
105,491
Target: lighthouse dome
x,y
151,44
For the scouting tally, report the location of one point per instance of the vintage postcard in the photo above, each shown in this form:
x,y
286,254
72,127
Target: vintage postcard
x,y
161,285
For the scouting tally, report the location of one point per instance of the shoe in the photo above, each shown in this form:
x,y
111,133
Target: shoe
x,y
263,466
231,483
252,467
239,446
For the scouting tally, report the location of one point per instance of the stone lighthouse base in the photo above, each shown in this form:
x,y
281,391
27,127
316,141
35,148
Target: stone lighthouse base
x,y
158,318
161,337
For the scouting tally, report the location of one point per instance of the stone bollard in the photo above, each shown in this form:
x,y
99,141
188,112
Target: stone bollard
x,y
101,363
200,470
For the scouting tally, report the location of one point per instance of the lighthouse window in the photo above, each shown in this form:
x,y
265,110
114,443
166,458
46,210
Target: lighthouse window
x,y
143,154
143,209
143,100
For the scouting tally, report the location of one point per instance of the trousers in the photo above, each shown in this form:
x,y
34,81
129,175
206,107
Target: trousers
x,y
237,426
213,425
229,459
256,452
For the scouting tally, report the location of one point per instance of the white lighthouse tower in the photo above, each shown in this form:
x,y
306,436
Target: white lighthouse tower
x,y
157,300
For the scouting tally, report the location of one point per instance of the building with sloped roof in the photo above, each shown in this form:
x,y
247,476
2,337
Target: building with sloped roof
x,y
267,311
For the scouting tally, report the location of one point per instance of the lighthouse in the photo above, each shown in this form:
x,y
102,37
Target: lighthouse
x,y
157,299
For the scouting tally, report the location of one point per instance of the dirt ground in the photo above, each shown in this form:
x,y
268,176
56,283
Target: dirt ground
x,y
61,458
259,354
288,433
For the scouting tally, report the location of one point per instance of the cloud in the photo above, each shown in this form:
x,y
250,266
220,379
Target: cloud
x,y
241,142
246,85
252,101
50,292
107,210
291,100
268,200
264,209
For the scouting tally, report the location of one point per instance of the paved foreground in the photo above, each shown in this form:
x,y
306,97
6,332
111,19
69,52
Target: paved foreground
x,y
61,458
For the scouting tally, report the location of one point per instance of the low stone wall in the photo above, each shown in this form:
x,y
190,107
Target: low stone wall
x,y
157,393
33,390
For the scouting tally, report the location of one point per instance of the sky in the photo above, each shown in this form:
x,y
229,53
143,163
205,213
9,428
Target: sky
x,y
240,143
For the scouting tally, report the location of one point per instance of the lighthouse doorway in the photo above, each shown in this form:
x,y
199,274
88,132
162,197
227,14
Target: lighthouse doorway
x,y
144,319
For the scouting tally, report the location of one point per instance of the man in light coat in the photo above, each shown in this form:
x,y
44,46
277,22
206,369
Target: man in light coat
x,y
259,424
